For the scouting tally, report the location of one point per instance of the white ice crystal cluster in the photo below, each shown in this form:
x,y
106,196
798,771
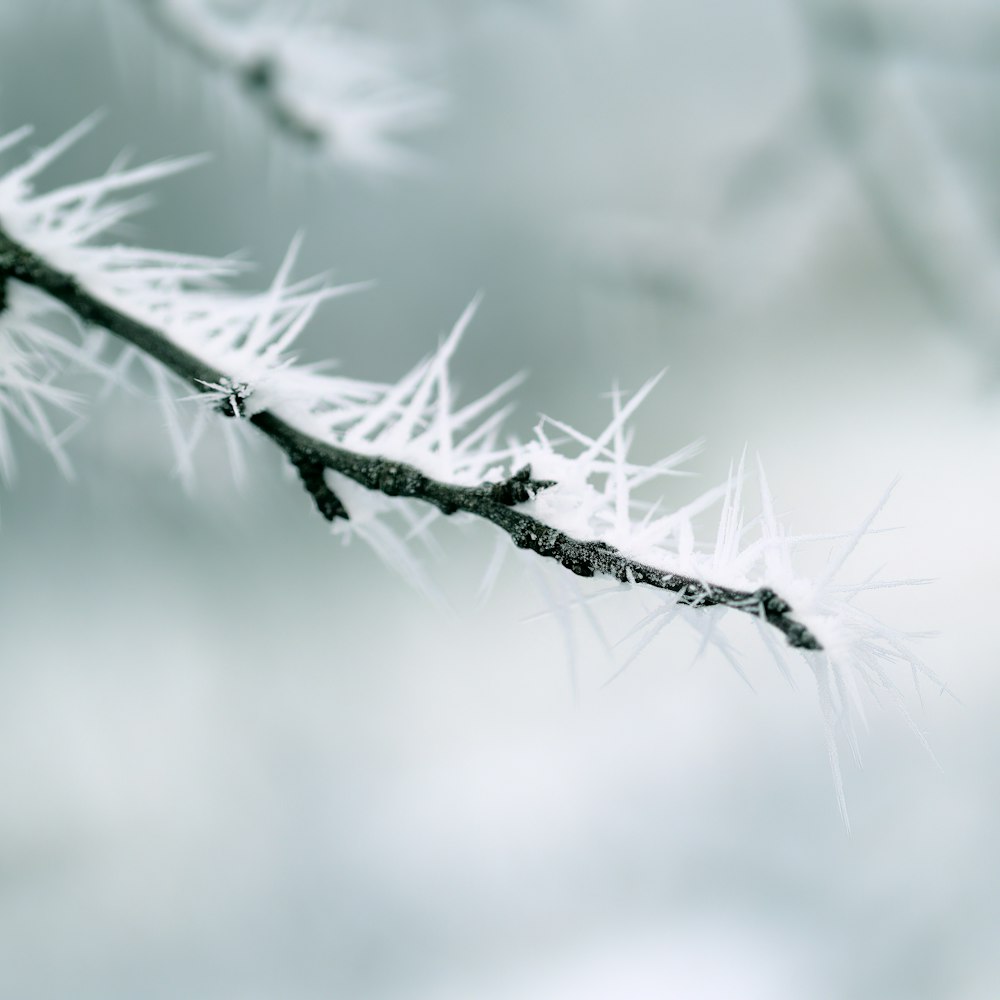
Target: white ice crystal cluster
x,y
599,493
32,356
330,85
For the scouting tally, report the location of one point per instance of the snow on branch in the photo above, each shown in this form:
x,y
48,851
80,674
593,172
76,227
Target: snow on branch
x,y
361,448
320,84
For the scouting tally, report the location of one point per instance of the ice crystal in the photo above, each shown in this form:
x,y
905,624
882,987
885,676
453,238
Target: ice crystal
x,y
32,357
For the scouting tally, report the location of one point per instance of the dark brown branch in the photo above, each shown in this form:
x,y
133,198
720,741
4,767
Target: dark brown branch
x,y
312,457
312,472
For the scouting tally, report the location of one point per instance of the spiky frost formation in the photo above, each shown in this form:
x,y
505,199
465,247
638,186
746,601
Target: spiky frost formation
x,y
581,486
600,495
416,421
32,357
319,82
245,335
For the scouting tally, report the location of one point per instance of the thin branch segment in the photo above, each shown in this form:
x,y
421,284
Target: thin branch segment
x,y
313,475
312,457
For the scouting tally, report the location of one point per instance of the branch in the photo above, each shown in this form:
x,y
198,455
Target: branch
x,y
322,86
312,457
259,76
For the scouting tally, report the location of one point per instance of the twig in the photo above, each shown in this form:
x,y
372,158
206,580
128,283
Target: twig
x,y
259,76
312,457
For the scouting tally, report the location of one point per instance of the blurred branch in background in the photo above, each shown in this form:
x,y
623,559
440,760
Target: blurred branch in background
x,y
867,112
864,105
321,85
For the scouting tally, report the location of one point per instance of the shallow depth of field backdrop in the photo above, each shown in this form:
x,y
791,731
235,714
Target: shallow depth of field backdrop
x,y
240,760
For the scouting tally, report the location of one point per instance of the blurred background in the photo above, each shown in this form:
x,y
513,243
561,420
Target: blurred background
x,y
240,760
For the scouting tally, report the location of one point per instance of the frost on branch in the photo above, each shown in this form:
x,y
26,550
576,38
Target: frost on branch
x,y
184,297
366,451
318,82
